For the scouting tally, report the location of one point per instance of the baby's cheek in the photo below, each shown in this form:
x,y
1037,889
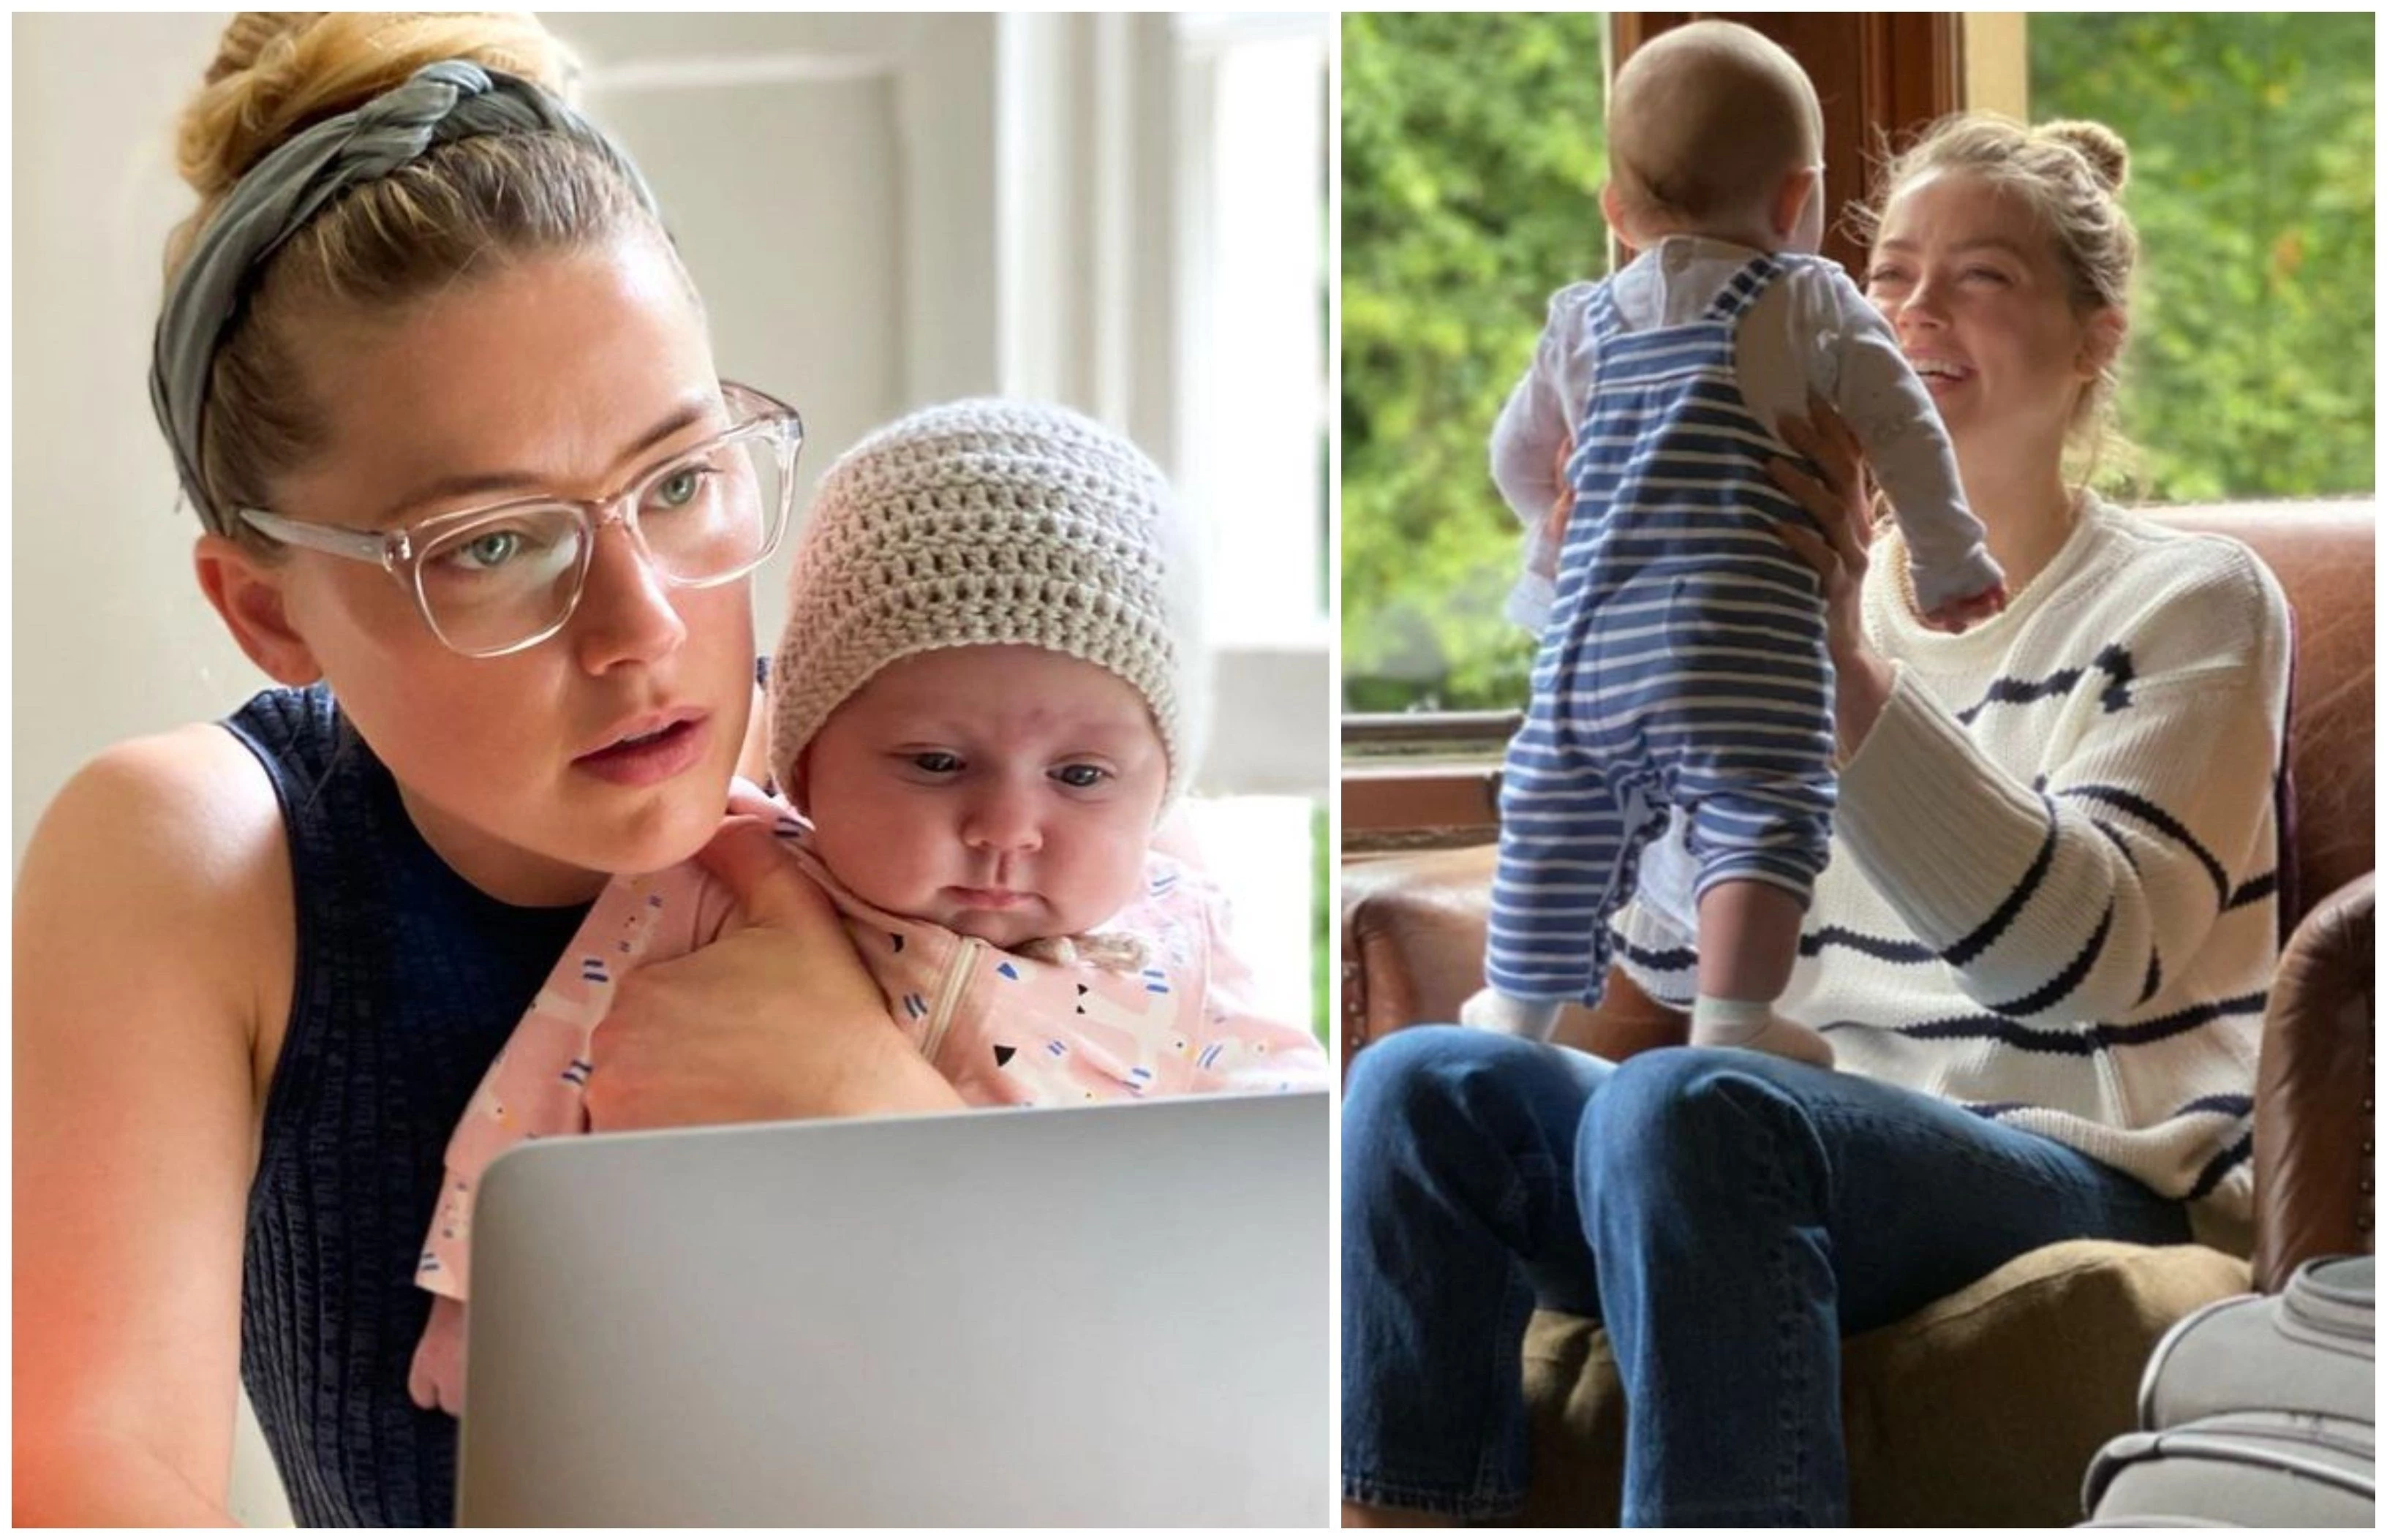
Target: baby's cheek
x,y
888,870
1109,876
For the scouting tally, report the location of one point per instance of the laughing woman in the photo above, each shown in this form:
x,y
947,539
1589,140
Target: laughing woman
x,y
2046,933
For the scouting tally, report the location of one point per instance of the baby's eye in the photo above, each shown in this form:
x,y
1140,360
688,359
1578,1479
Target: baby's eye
x,y
936,762
1084,777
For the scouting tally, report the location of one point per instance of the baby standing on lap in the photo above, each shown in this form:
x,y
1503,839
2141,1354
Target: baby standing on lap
x,y
1683,661
989,690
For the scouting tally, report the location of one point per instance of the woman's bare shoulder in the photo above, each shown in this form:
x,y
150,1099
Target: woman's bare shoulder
x,y
173,842
190,808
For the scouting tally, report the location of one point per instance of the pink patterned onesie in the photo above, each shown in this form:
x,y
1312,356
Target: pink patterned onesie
x,y
1161,1015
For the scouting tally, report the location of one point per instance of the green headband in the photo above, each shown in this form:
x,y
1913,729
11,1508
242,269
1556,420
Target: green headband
x,y
440,104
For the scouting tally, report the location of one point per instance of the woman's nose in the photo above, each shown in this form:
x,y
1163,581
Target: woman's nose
x,y
1923,306
1002,818
626,612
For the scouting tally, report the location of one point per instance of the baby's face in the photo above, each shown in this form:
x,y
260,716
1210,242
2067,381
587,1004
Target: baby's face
x,y
1003,792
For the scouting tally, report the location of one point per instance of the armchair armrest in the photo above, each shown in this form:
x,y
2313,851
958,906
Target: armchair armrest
x,y
1413,930
2314,1123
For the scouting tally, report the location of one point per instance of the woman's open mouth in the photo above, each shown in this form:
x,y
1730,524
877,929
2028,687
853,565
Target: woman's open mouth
x,y
646,758
1939,375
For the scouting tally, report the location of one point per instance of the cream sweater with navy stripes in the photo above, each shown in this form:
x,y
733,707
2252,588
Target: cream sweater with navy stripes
x,y
2051,896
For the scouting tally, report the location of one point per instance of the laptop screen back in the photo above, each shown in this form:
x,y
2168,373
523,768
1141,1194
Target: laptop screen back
x,y
1111,1315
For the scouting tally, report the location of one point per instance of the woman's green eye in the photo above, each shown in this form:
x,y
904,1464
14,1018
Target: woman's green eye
x,y
486,552
679,488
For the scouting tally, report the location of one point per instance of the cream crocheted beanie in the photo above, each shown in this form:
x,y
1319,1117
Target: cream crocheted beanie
x,y
986,523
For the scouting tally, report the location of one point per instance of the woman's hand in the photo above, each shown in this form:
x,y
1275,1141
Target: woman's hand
x,y
774,1019
1842,504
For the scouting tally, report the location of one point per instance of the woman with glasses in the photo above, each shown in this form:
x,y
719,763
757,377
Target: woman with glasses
x,y
473,494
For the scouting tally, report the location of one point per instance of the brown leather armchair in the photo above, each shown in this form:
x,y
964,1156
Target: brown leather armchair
x,y
1985,1407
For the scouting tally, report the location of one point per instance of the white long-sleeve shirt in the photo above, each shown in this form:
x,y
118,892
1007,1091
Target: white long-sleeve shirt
x,y
1810,331
2052,889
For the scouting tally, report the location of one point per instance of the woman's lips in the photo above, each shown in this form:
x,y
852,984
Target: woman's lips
x,y
1939,375
650,759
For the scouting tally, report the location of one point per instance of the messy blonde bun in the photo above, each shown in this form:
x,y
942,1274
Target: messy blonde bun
x,y
2099,145
378,246
2070,172
275,72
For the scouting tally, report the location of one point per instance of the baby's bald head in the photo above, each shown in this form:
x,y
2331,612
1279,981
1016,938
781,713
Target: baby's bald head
x,y
1705,122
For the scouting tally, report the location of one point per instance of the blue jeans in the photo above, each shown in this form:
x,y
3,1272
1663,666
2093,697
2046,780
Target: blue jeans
x,y
1745,1213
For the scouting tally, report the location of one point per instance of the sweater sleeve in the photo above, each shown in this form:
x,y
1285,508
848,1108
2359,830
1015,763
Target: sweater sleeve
x,y
1892,416
1539,414
2064,900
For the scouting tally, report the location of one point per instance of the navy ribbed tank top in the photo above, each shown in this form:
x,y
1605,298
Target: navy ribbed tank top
x,y
409,982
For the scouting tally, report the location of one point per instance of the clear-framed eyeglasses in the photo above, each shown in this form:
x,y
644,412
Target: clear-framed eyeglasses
x,y
495,580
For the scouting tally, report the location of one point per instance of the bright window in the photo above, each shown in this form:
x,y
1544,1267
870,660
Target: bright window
x,y
1472,153
1252,104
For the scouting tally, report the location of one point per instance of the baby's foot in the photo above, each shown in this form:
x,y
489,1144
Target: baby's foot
x,y
1958,614
1492,1012
1773,1035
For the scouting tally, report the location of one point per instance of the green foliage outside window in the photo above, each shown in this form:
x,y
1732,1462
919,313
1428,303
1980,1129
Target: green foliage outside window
x,y
2250,368
1471,154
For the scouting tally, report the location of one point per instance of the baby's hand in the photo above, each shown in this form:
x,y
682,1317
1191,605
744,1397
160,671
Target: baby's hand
x,y
1958,614
437,1378
1554,523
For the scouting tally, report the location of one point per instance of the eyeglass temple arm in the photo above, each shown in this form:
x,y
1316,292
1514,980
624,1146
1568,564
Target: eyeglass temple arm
x,y
364,545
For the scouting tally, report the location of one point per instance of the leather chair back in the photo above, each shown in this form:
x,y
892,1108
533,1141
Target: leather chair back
x,y
2324,555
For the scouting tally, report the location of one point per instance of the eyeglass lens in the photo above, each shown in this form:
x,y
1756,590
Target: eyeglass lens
x,y
707,516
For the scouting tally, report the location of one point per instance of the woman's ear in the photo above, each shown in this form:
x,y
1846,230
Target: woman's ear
x,y
2101,341
248,593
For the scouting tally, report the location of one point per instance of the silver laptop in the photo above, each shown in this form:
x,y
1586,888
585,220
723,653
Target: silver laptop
x,y
1108,1315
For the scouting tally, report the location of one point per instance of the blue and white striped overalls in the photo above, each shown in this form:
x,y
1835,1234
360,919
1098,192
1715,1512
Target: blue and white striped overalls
x,y
1684,664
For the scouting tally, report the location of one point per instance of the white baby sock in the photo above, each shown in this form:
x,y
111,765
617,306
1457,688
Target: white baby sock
x,y
1493,1012
1751,1024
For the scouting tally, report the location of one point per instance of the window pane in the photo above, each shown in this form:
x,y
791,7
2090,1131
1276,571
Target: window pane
x,y
1267,852
2249,371
1255,428
1472,153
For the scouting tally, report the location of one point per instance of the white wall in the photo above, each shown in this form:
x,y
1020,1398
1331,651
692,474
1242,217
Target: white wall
x,y
111,636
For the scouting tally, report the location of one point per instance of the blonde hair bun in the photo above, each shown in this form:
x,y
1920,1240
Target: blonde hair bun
x,y
276,73
2098,145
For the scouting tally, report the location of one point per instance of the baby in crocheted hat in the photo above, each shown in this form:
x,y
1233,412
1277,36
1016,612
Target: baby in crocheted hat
x,y
991,689
992,678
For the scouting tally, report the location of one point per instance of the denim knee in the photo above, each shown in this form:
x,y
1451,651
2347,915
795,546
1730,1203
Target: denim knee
x,y
1421,1078
1672,1116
